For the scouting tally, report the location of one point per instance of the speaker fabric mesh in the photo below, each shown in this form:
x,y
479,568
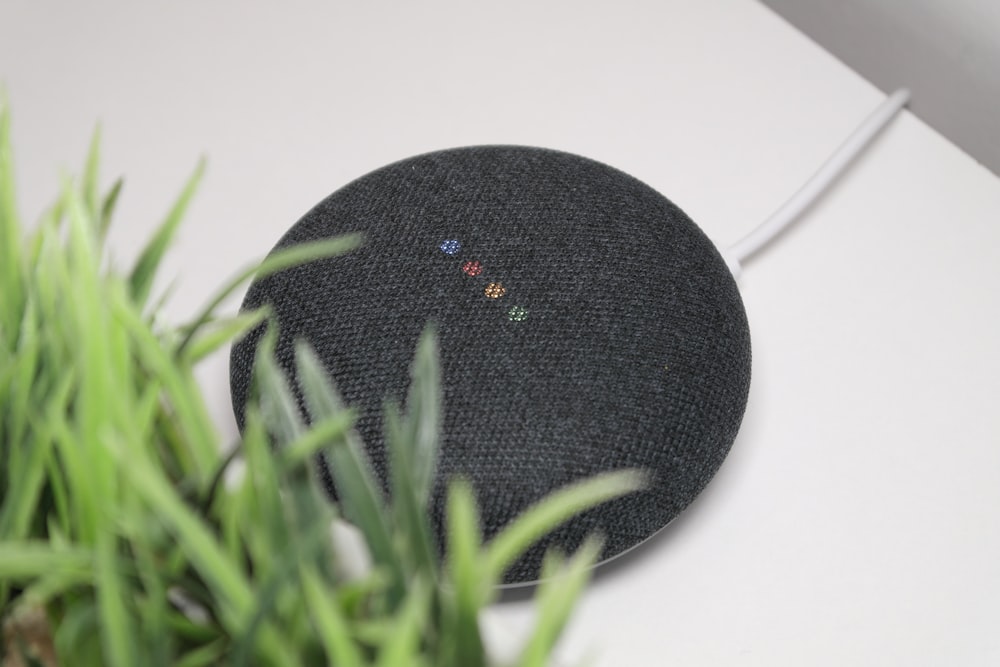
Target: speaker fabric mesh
x,y
586,324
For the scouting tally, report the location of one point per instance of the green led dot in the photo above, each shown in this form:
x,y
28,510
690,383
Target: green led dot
x,y
517,314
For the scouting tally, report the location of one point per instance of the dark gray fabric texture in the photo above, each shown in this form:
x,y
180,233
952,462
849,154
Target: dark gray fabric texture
x,y
619,341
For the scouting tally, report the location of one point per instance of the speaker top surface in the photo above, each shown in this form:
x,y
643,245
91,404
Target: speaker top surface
x,y
585,323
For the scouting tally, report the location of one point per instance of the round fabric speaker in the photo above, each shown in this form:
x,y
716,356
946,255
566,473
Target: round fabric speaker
x,y
585,324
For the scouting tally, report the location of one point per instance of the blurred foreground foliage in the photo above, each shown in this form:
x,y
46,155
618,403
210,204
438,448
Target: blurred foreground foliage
x,y
129,536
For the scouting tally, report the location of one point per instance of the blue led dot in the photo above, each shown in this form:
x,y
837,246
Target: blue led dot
x,y
451,246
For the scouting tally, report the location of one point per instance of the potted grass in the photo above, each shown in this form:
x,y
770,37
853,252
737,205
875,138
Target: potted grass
x,y
131,535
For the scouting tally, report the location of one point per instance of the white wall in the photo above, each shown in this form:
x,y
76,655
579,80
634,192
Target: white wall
x,y
946,51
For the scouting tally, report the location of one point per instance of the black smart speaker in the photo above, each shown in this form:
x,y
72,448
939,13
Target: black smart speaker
x,y
586,324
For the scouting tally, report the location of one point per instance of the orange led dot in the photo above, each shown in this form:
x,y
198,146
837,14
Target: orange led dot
x,y
494,290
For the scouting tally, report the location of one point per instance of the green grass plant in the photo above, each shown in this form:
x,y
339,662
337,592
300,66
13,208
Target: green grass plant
x,y
139,538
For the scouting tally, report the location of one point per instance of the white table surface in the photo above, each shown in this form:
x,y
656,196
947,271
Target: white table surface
x,y
857,520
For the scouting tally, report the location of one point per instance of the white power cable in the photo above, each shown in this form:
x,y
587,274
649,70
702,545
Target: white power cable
x,y
834,166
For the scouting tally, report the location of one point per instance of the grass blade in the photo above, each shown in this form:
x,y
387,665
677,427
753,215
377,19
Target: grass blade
x,y
208,654
358,493
471,587
144,271
222,333
78,634
275,262
409,512
316,438
403,644
10,229
557,594
553,510
153,606
331,626
22,560
119,632
108,207
259,499
423,408
91,172
196,539
278,407
19,501
189,428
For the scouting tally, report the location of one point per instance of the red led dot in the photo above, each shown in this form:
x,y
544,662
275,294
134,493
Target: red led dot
x,y
472,268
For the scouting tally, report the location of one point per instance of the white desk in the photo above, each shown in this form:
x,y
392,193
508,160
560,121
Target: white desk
x,y
857,521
